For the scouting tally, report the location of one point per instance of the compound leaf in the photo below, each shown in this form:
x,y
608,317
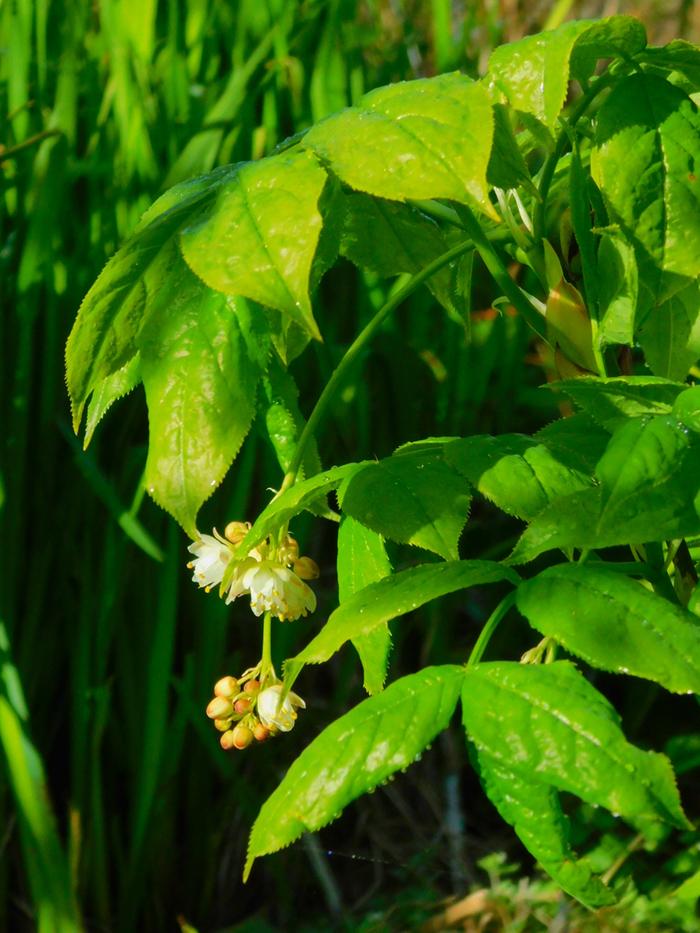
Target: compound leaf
x,y
534,811
546,722
380,736
394,596
615,623
414,497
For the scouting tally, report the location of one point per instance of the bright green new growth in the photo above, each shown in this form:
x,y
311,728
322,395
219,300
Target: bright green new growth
x,y
213,297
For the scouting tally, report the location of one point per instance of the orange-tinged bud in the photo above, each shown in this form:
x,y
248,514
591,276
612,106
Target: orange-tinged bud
x,y
226,687
222,725
306,568
252,686
569,326
260,733
241,736
226,740
235,532
219,708
242,705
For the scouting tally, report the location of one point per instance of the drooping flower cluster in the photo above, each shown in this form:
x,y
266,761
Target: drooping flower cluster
x,y
273,573
247,710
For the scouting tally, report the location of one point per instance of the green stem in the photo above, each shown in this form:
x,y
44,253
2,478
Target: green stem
x,y
266,662
489,628
356,347
498,271
550,165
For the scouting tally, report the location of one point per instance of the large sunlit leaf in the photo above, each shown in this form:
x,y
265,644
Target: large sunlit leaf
x,y
202,355
414,497
362,560
518,474
647,146
547,722
534,811
616,398
259,237
103,338
534,72
429,138
363,748
394,596
615,623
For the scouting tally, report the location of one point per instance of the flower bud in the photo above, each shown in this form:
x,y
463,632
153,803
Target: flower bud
x,y
306,568
241,736
288,551
219,708
252,686
235,532
226,687
222,725
260,733
242,706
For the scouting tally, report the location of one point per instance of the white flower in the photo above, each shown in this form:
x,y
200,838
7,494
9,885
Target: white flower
x,y
212,554
276,715
273,588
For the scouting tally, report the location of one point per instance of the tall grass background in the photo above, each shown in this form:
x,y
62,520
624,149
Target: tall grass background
x,y
118,810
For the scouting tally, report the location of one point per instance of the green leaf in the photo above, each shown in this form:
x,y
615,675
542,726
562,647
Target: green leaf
x,y
649,478
533,72
641,454
534,811
611,400
687,408
615,623
618,289
259,237
284,421
302,495
690,889
518,474
413,498
507,168
670,335
429,138
548,723
107,392
394,596
362,560
647,146
103,338
388,238
380,736
678,56
576,441
202,355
